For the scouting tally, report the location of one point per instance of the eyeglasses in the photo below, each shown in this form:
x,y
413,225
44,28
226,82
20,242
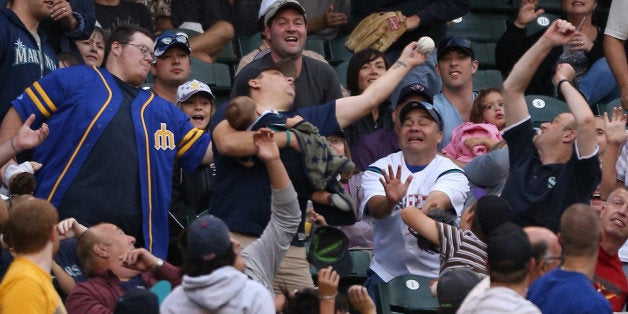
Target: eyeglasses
x,y
143,49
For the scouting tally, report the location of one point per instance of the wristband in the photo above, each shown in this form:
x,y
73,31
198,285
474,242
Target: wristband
x,y
287,138
158,265
563,81
328,297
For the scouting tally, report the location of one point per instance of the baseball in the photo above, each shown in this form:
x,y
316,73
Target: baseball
x,y
425,44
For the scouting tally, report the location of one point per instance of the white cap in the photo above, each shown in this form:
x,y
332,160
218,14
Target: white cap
x,y
187,89
269,8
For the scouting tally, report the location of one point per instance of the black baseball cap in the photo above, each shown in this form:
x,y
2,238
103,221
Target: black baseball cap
x,y
253,70
462,44
330,247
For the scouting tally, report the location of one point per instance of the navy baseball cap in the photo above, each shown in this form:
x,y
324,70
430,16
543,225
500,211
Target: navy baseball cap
x,y
462,44
208,237
168,39
253,70
429,108
417,89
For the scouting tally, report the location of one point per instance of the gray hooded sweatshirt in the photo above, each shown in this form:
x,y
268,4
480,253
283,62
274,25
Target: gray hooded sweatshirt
x,y
226,290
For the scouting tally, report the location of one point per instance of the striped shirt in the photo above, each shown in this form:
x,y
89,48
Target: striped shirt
x,y
460,247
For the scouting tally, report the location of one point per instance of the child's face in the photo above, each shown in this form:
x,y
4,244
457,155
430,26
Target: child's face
x,y
199,109
338,143
493,110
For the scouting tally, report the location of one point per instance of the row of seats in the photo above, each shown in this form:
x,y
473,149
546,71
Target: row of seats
x,y
544,108
512,6
403,294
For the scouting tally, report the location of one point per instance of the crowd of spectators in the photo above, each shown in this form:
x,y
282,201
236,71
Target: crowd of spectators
x,y
114,187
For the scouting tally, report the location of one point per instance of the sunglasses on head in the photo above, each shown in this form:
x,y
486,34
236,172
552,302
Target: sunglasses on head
x,y
180,38
455,40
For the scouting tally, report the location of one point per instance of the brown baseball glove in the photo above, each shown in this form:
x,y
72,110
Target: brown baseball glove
x,y
378,30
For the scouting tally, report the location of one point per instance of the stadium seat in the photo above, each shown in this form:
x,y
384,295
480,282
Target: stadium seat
x,y
541,23
337,51
492,6
483,79
608,107
186,31
341,71
216,75
361,262
544,108
248,44
485,54
479,28
316,45
405,294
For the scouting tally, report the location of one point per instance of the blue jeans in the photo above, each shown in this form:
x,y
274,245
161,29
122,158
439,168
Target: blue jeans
x,y
424,74
372,280
599,84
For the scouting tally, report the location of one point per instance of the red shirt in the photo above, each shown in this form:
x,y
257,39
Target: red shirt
x,y
610,279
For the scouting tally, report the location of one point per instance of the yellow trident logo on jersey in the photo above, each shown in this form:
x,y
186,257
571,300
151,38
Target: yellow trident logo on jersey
x,y
164,138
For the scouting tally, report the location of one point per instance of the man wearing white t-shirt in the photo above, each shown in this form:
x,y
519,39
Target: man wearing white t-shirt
x,y
415,176
615,35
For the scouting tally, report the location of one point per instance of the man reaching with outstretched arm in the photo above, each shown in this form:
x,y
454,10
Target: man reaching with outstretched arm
x,y
558,166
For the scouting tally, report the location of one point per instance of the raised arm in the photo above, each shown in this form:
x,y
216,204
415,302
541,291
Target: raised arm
x,y
351,109
585,124
615,137
558,33
268,152
421,223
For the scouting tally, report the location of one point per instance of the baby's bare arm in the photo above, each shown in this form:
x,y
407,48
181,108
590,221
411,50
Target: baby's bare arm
x,y
291,122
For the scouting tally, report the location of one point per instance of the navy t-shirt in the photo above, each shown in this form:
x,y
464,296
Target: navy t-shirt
x,y
107,188
242,195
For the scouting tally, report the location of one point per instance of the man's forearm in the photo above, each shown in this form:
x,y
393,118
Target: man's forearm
x,y
379,207
616,58
278,175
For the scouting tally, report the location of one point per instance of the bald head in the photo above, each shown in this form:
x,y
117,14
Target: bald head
x,y
545,248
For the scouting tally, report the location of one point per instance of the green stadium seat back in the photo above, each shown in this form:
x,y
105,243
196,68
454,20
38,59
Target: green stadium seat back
x,y
248,44
338,53
483,79
341,71
544,108
541,23
405,294
485,54
316,45
479,28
